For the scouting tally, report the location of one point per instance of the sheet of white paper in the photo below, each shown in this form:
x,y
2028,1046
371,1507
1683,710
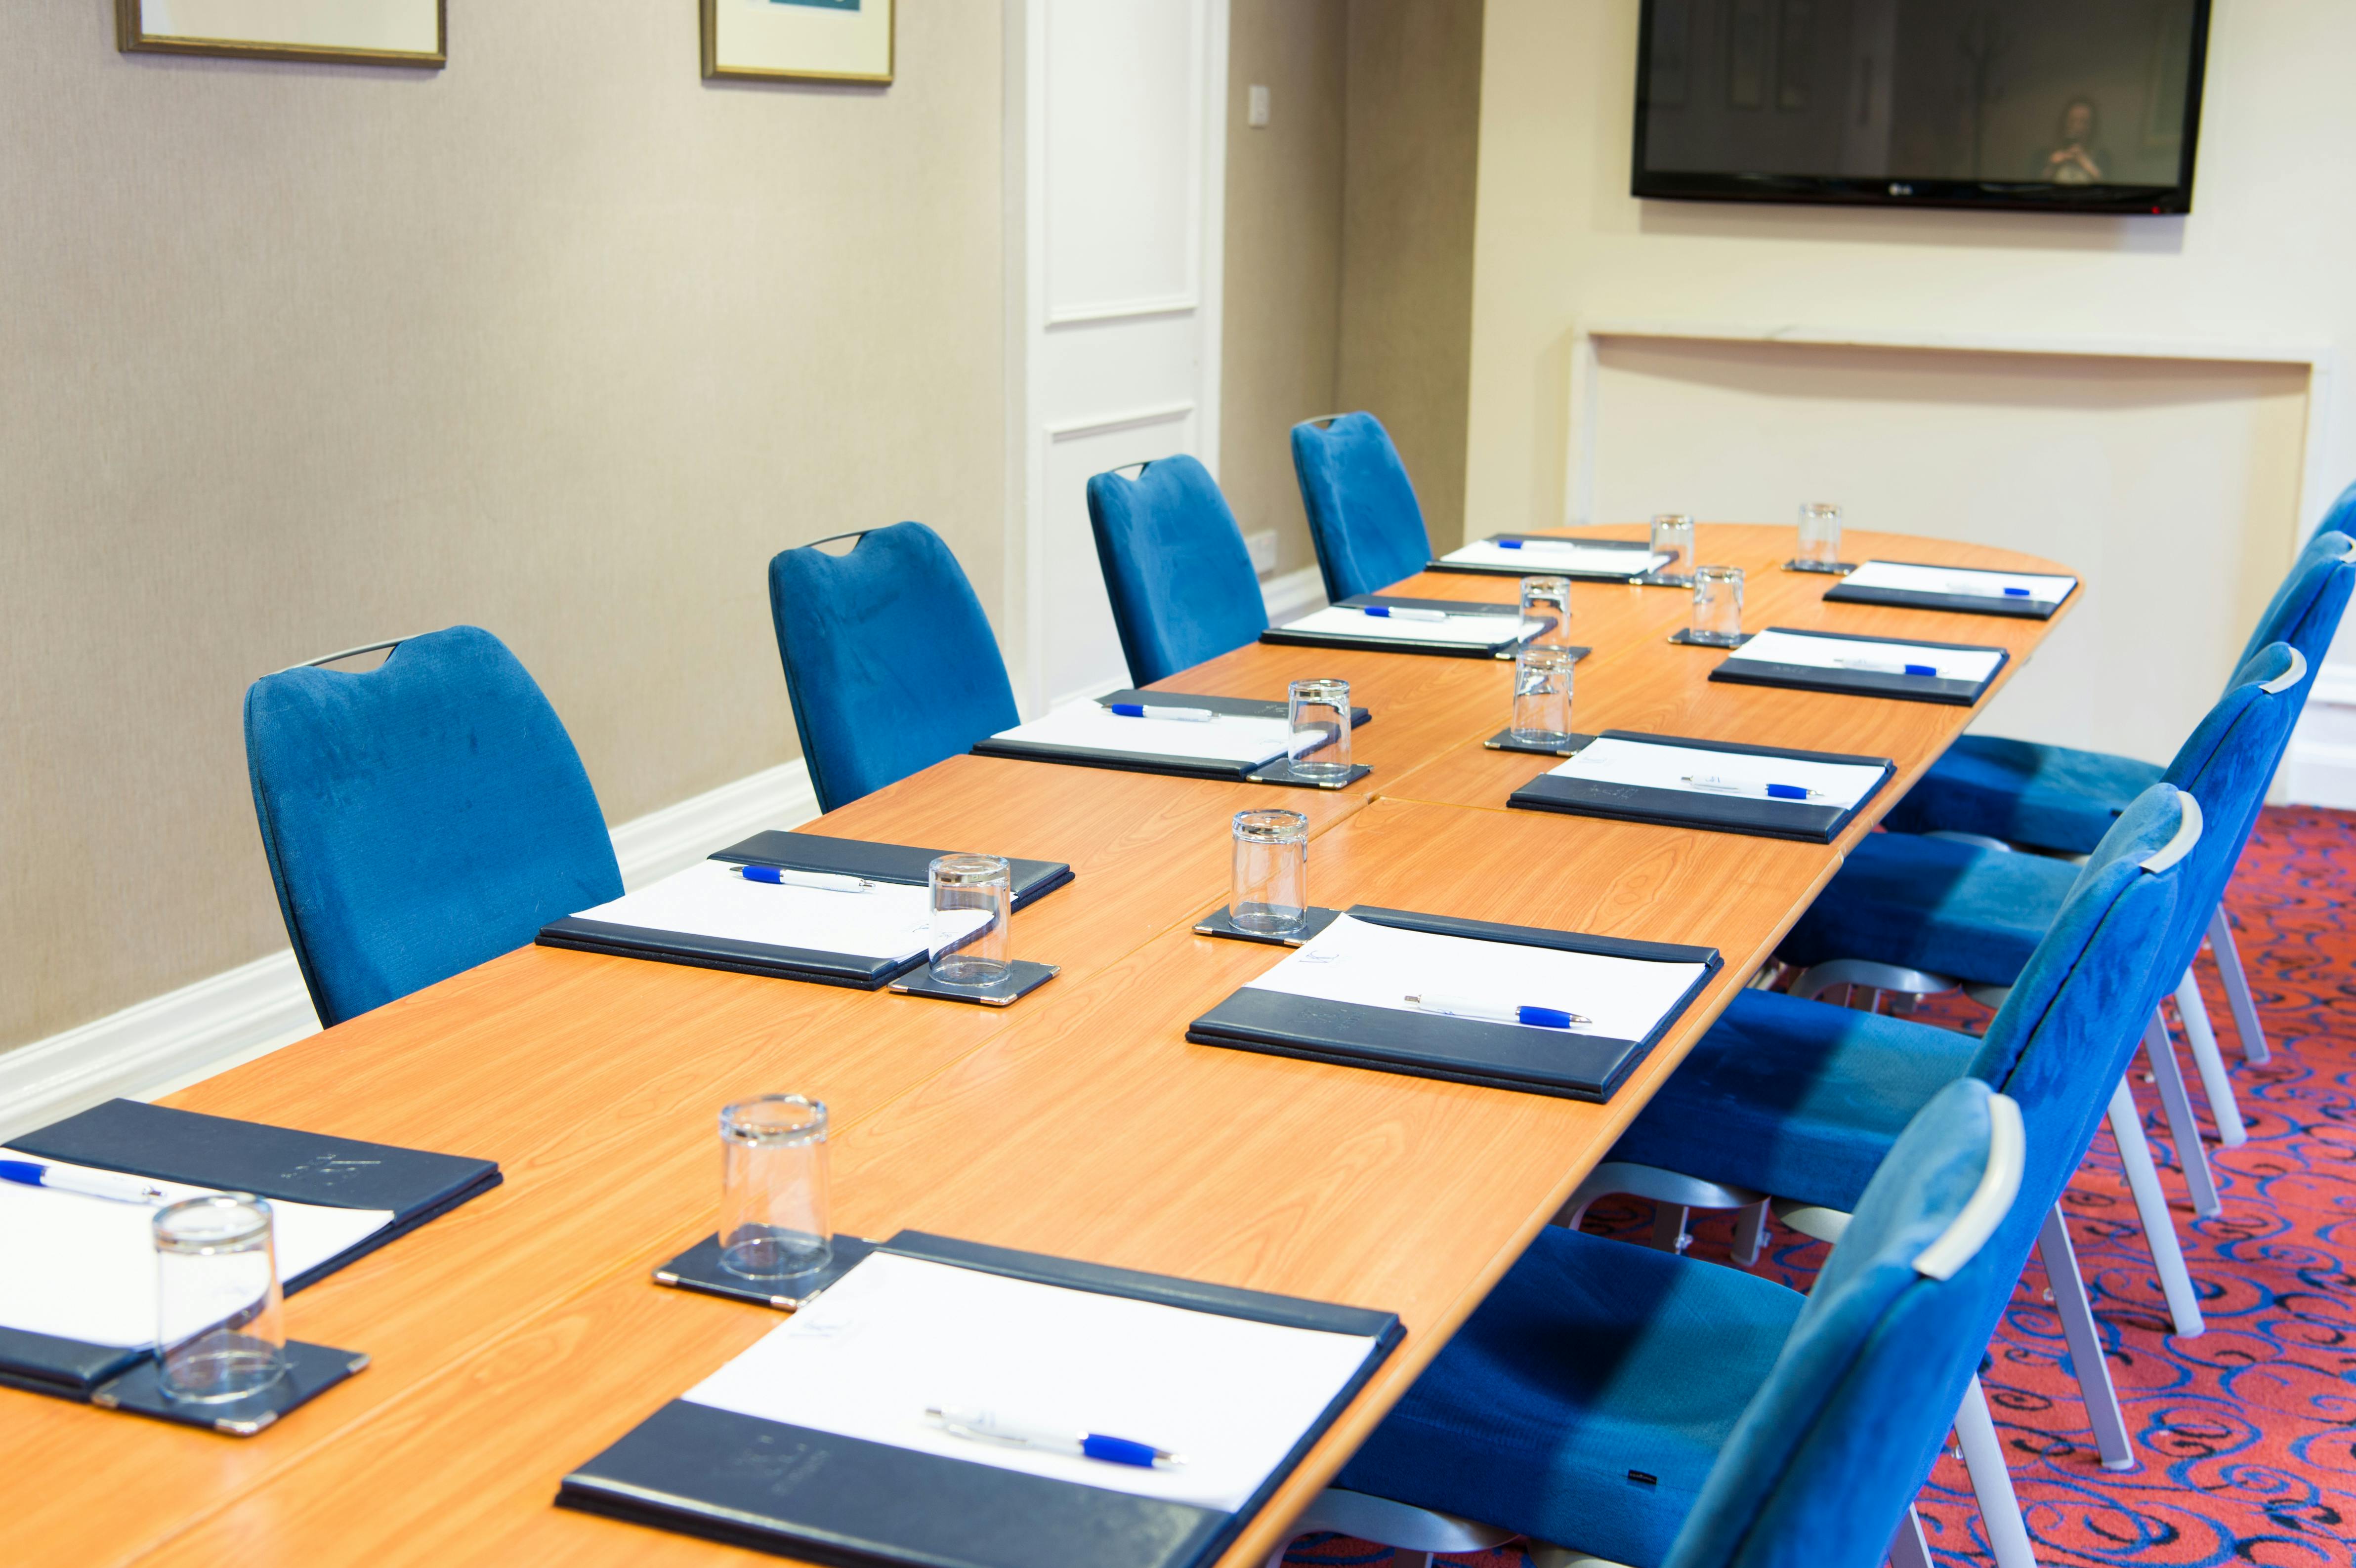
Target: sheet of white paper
x,y
1381,967
1226,739
84,1268
709,899
896,1335
1652,766
2042,590
1475,631
1828,653
1537,557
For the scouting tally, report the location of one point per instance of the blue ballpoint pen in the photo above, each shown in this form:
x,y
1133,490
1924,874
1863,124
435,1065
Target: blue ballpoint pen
x,y
1403,612
1738,786
1498,1012
88,1183
1880,666
1150,711
988,1427
824,882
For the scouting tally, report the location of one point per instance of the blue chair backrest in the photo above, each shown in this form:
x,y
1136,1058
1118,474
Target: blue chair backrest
x,y
1823,1461
1363,514
1181,581
2302,605
419,818
2226,764
2341,517
889,660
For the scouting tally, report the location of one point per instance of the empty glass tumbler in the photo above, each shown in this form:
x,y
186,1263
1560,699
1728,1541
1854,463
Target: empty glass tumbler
x,y
1270,896
1674,532
1319,713
972,897
1820,525
774,1216
1542,696
1548,598
219,1328
1718,605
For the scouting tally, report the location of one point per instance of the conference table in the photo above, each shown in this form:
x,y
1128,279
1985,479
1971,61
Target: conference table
x,y
517,1337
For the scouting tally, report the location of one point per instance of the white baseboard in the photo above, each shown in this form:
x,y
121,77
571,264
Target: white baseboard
x,y
1293,596
173,1040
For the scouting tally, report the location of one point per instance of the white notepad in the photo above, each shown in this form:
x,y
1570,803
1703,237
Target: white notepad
x,y
709,899
1471,631
84,1268
1380,966
1830,653
1537,557
2042,590
896,1335
1229,738
1653,765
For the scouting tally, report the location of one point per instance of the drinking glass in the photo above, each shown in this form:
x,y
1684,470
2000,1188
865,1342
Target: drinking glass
x,y
1270,897
772,1187
1545,598
972,897
1718,605
1674,532
1820,524
219,1328
1542,696
1319,713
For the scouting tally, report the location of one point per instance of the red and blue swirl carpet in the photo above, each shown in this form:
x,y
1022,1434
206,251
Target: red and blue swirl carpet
x,y
2246,1434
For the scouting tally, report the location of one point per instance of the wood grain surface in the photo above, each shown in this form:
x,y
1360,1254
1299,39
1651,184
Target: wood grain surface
x,y
517,1336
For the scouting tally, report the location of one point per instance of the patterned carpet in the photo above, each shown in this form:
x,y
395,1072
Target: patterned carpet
x,y
2246,1434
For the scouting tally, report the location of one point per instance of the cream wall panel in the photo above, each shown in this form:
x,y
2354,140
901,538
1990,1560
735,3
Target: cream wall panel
x,y
559,340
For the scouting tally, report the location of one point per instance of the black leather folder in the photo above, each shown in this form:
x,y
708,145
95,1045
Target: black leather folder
x,y
1568,1065
1738,669
795,1491
1503,646
1804,820
1146,761
245,1157
899,863
1639,553
1847,593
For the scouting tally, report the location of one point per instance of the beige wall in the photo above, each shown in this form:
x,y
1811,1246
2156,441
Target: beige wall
x,y
559,340
1349,268
1406,237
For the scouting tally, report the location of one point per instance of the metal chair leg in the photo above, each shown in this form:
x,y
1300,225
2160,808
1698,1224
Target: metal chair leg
x,y
1750,1233
2151,1206
2210,1063
1907,1548
2085,1341
1669,1227
2237,988
2161,1050
1992,1481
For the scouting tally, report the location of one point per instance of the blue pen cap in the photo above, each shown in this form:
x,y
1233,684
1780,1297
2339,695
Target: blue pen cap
x,y
1118,1451
1786,791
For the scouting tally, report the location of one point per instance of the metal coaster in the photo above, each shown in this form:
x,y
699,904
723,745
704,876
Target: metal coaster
x,y
1829,569
311,1371
1572,744
1024,978
1664,580
1219,923
1685,634
699,1269
1281,772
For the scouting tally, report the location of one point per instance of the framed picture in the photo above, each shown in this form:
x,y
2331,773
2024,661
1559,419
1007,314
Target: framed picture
x,y
359,32
816,40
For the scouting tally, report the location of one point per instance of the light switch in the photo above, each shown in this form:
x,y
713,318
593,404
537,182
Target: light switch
x,y
1256,110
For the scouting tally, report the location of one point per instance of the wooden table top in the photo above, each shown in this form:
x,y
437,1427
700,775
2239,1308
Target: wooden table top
x,y
517,1336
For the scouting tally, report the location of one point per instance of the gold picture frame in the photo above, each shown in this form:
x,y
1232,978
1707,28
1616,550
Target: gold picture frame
x,y
257,29
800,40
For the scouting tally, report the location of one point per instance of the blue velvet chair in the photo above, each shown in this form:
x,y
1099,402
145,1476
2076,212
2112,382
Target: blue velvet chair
x,y
1181,581
1363,515
889,660
1665,1412
1804,1101
2063,800
420,817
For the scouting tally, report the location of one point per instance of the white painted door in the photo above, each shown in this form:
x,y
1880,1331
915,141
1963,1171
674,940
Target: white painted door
x,y
1124,186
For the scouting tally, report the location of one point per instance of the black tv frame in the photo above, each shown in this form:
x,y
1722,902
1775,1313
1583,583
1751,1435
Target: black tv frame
x,y
1987,196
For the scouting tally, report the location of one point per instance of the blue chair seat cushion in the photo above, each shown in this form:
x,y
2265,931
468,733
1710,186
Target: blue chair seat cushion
x,y
1796,1099
1586,1399
2051,797
1959,910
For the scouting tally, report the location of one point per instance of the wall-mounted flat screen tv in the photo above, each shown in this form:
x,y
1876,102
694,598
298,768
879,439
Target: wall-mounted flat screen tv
x,y
2043,105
